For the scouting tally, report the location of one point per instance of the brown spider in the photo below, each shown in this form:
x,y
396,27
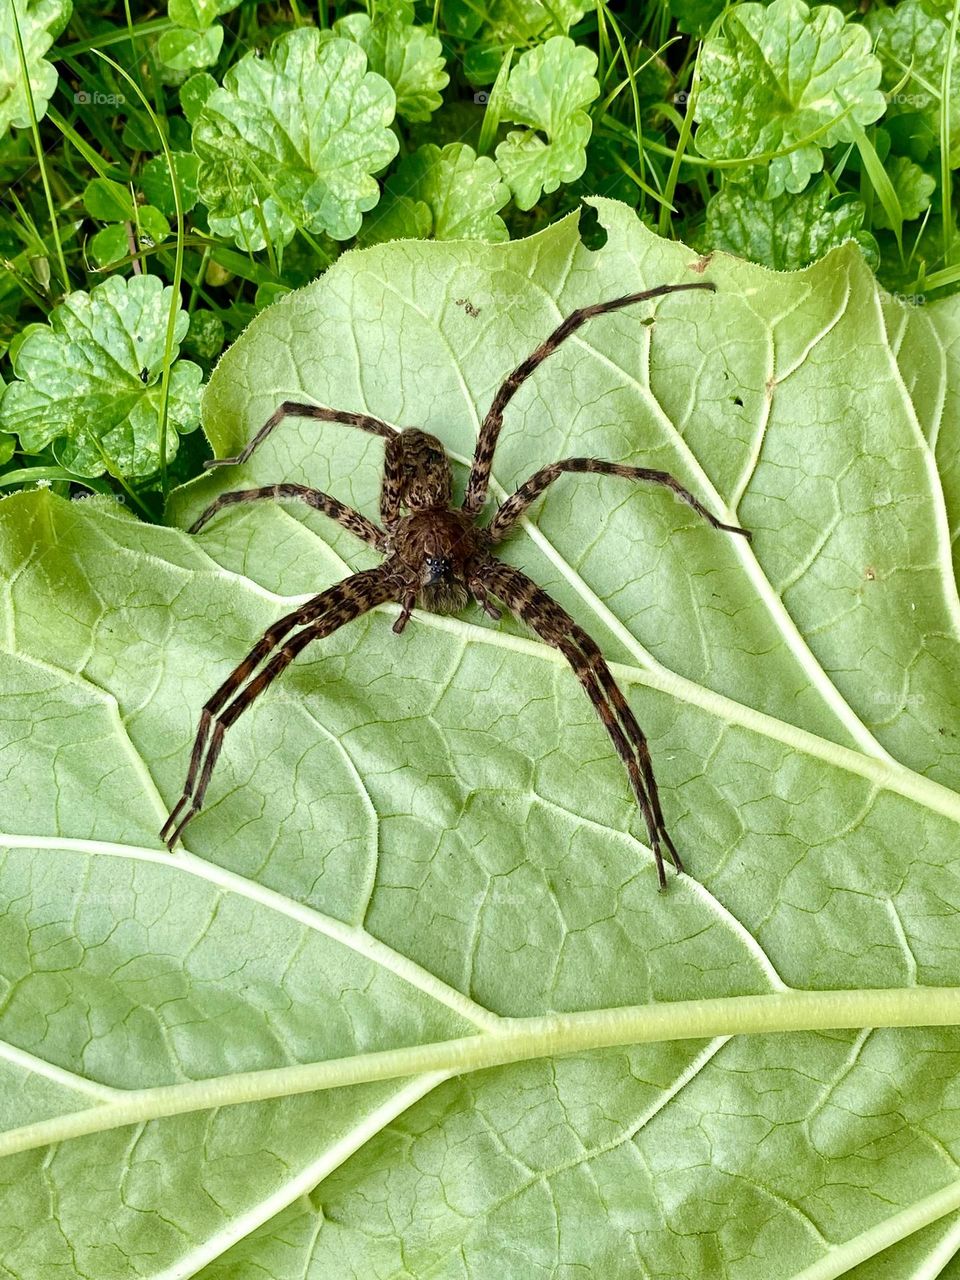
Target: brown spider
x,y
437,558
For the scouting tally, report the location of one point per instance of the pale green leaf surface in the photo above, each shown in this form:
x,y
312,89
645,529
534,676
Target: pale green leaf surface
x,y
408,57
293,140
80,384
547,90
40,21
785,78
410,835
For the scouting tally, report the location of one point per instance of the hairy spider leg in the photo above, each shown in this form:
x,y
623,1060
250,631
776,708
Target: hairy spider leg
x,y
514,507
476,493
350,519
553,624
319,617
391,486
296,409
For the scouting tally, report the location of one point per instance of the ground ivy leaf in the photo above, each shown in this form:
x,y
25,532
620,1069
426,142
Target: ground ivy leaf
x,y
778,74
407,56
547,90
786,232
40,21
292,140
910,40
409,834
80,386
462,191
184,49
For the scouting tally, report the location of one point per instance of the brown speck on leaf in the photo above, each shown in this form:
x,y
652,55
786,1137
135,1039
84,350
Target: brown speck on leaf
x,y
870,573
701,263
468,306
771,386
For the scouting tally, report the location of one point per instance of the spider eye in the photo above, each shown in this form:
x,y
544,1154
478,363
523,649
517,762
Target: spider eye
x,y
438,568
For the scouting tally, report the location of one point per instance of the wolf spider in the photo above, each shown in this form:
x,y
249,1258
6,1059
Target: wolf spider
x,y
437,558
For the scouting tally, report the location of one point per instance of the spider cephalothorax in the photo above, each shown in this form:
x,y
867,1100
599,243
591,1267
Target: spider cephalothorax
x,y
438,557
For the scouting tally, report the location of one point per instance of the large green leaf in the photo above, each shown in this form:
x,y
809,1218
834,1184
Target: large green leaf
x,y
423,837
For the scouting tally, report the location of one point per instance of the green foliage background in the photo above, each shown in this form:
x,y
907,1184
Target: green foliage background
x,y
234,151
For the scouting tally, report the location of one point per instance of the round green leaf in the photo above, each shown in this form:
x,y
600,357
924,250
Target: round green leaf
x,y
293,140
81,380
183,49
408,57
194,93
110,244
781,75
157,187
547,90
40,21
108,201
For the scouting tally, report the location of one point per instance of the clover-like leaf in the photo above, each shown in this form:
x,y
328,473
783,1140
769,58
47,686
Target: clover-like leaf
x,y
90,381
40,22
911,39
407,56
412,840
292,140
547,90
786,232
462,191
788,79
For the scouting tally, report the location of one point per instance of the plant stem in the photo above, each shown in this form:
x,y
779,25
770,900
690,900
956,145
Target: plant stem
x,y
516,1040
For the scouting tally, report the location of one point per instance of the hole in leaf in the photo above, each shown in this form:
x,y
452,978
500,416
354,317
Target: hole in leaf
x,y
593,234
